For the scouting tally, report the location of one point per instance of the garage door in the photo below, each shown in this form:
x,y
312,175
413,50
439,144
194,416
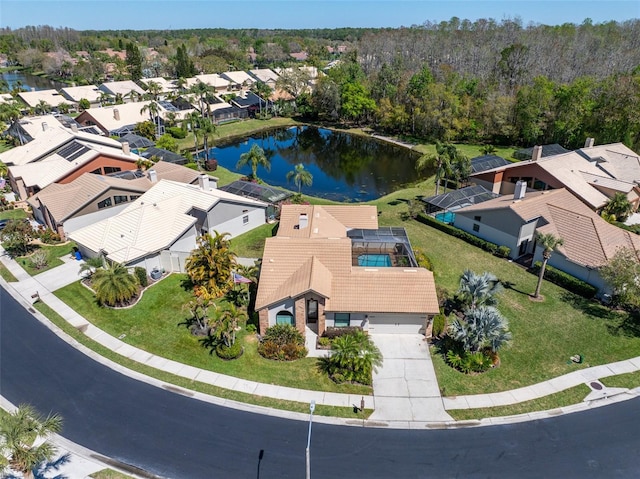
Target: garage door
x,y
396,324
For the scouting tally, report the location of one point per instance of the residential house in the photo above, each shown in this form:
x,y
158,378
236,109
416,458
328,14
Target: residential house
x,y
265,75
514,221
300,56
29,127
118,120
126,90
487,162
87,92
160,229
51,98
166,86
90,198
588,179
62,155
238,80
250,102
214,80
332,266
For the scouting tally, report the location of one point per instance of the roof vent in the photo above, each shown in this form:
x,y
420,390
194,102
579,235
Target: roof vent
x,y
116,114
589,143
536,153
44,126
153,176
125,148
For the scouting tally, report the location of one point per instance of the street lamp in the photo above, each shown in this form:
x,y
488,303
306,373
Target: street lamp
x,y
312,407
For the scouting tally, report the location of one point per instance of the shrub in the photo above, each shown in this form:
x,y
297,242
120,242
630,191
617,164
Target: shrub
x,y
565,280
251,328
423,260
48,236
177,132
229,352
467,362
504,251
192,165
333,333
439,325
282,342
39,259
141,274
324,342
458,233
354,358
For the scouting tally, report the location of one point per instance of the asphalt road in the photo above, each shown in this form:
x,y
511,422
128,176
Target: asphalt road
x,y
173,436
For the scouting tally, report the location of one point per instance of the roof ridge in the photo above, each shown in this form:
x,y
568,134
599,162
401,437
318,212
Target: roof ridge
x,y
599,237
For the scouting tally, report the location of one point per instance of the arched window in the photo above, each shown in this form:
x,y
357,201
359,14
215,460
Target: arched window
x,y
285,317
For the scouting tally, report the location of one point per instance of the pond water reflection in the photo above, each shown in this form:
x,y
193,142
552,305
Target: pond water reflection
x,y
344,167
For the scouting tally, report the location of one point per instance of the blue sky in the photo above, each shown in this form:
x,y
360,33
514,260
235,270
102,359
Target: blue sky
x,y
159,14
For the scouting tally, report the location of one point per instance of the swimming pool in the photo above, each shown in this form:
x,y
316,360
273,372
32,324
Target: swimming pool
x,y
378,260
446,217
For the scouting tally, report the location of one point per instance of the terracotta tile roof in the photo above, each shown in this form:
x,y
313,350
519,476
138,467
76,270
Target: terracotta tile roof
x,y
319,258
325,221
588,239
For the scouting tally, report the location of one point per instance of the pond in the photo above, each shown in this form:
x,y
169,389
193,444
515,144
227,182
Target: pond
x,y
29,81
344,167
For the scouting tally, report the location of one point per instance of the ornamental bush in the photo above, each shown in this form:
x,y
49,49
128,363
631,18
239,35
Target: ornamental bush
x,y
229,352
282,342
141,274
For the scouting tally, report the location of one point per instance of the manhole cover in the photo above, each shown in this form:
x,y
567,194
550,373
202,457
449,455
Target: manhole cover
x,y
596,386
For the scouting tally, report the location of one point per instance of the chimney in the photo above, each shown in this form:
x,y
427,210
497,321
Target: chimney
x,y
125,148
213,182
536,153
153,176
44,126
521,189
116,114
203,182
304,221
74,127
589,143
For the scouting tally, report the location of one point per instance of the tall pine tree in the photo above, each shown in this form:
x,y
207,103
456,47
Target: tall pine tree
x,y
134,61
184,66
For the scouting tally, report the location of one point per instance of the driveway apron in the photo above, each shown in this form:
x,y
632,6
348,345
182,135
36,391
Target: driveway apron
x,y
405,388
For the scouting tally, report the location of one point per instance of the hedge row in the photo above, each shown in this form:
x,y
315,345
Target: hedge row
x,y
492,248
565,280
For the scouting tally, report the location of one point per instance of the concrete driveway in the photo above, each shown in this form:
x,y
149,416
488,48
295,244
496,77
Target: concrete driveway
x,y
405,388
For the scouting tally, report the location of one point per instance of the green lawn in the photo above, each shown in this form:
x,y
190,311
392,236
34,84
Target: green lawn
x,y
251,243
225,176
569,397
629,381
109,474
154,325
14,214
54,253
6,274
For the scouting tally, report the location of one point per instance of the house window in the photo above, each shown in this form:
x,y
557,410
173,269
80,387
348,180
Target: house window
x,y
245,219
477,218
134,197
120,199
312,311
342,320
111,169
476,227
104,203
97,171
285,317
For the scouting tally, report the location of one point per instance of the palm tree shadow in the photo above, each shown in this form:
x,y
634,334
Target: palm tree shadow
x,y
45,469
187,284
209,342
511,286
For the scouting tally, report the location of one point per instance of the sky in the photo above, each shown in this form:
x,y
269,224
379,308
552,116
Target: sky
x,y
290,14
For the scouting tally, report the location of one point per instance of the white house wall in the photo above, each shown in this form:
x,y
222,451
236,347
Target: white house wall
x,y
288,305
227,217
588,275
355,319
148,262
185,243
75,223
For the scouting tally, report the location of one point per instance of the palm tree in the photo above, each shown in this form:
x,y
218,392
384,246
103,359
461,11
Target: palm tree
x,y
263,91
154,89
42,108
254,157
300,177
154,114
105,99
225,324
90,266
619,206
114,284
483,327
202,91
354,356
4,169
24,433
488,149
441,160
478,289
549,243
207,129
192,119
199,309
211,264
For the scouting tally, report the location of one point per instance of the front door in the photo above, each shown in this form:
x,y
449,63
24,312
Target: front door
x,y
523,247
312,311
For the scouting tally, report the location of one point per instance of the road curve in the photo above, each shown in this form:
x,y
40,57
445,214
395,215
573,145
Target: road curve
x,y
173,436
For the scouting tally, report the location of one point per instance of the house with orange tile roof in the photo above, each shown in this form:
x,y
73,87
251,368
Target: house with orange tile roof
x,y
514,220
332,266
